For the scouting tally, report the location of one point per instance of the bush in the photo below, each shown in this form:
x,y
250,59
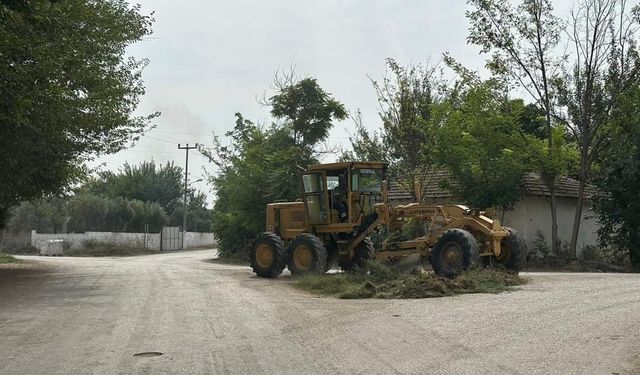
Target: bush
x,y
593,253
21,249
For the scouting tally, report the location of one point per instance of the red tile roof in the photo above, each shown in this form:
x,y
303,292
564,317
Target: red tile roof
x,y
532,184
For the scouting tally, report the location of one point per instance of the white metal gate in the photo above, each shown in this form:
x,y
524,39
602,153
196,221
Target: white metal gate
x,y
170,238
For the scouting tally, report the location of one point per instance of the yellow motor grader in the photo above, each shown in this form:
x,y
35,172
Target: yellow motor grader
x,y
343,203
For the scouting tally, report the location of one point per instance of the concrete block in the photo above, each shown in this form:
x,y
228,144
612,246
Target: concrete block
x,y
51,247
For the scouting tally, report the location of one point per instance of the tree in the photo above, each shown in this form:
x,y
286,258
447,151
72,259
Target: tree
x,y
45,215
199,217
87,213
618,203
365,146
307,110
532,120
144,182
605,65
147,216
118,215
262,163
68,90
407,141
522,41
483,146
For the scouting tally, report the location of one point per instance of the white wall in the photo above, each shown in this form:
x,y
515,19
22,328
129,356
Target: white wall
x,y
76,240
533,213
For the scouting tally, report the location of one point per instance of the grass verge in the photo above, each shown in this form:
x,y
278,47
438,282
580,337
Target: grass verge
x,y
380,281
105,249
6,258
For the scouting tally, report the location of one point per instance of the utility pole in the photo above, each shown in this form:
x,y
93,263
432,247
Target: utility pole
x,y
186,177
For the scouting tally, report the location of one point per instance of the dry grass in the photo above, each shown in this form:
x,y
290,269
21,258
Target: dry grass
x,y
380,281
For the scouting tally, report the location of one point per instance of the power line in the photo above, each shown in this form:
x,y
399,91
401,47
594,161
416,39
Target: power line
x,y
182,133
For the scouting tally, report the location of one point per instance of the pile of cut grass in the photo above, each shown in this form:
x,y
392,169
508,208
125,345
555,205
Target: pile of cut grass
x,y
6,258
381,281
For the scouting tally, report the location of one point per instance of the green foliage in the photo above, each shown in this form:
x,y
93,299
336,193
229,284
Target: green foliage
x,y
45,215
144,182
145,187
307,110
532,119
87,213
6,258
118,215
407,98
261,163
618,181
68,90
365,146
146,213
199,217
540,245
94,213
482,144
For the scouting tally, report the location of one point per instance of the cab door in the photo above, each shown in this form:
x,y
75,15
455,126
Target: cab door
x,y
316,197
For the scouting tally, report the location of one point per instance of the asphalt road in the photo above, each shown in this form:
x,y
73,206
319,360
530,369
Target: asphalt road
x,y
92,315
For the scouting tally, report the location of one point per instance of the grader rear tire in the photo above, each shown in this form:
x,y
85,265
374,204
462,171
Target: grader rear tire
x,y
513,254
455,251
364,252
307,255
267,255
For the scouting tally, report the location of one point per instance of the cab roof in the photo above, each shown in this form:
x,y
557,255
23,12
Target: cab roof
x,y
346,165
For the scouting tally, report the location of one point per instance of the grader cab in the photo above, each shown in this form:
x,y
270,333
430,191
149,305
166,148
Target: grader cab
x,y
343,203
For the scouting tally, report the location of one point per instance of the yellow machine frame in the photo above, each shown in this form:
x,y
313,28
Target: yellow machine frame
x,y
290,219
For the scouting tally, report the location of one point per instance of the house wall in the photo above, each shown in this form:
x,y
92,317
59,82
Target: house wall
x,y
533,214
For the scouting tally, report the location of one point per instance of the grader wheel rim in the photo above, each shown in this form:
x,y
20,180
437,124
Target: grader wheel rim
x,y
452,255
302,257
264,256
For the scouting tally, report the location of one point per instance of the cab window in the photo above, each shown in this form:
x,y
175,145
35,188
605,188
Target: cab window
x,y
313,183
366,180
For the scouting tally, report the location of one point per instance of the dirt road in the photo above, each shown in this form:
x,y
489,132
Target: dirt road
x,y
92,315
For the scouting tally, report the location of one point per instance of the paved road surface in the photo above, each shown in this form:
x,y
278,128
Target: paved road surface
x,y
91,315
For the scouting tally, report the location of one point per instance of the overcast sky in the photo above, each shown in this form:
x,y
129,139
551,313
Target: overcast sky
x,y
211,59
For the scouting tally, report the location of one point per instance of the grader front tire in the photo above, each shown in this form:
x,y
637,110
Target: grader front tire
x,y
307,255
268,257
455,251
364,252
513,254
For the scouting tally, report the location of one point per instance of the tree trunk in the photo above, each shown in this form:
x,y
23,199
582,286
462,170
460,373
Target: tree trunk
x,y
4,215
585,167
578,217
634,253
576,222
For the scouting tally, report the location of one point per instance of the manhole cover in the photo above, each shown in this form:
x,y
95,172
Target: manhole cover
x,y
148,354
